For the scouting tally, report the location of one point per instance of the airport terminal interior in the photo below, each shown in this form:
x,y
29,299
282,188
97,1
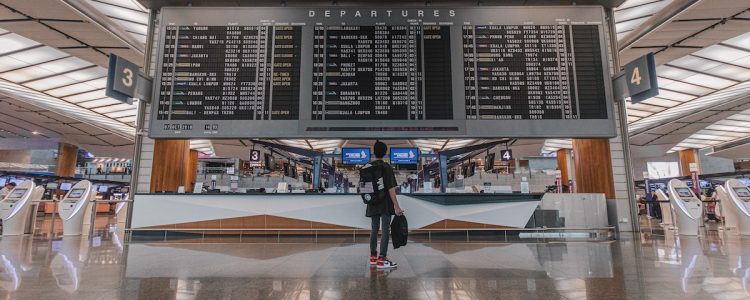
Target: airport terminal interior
x,y
342,149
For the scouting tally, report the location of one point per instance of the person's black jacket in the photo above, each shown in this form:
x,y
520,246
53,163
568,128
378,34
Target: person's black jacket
x,y
399,231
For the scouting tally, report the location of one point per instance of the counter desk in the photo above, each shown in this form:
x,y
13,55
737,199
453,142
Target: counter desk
x,y
313,211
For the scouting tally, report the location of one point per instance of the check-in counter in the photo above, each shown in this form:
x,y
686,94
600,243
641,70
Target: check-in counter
x,y
258,212
302,213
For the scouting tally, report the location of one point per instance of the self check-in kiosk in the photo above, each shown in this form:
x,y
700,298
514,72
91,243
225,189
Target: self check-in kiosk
x,y
687,207
15,209
666,209
75,208
736,204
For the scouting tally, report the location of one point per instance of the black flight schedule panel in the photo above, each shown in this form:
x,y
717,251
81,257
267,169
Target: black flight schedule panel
x,y
389,72
398,72
230,73
533,72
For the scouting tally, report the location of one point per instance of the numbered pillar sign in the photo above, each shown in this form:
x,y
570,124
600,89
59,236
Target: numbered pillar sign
x,y
122,79
640,76
506,155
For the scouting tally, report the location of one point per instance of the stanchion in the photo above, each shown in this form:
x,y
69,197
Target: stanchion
x,y
54,214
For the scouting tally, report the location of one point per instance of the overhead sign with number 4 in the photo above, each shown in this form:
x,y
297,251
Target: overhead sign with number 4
x,y
506,155
640,76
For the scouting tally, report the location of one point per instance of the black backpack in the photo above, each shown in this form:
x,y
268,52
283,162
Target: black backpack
x,y
371,186
399,231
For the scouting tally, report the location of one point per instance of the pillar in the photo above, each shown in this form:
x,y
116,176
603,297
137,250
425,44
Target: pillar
x,y
565,165
174,165
687,157
593,164
67,156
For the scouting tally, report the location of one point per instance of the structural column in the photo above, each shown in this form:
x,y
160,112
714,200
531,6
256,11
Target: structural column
x,y
593,164
67,156
687,157
565,165
174,165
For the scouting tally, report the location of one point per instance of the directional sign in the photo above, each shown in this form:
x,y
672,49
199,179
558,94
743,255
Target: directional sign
x,y
125,82
640,77
255,158
506,155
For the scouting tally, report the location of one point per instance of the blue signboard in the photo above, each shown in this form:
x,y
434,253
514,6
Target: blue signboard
x,y
355,156
404,156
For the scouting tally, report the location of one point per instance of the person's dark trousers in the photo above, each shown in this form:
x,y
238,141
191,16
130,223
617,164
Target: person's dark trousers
x,y
383,221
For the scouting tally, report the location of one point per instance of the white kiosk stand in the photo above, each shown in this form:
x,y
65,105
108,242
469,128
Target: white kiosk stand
x,y
737,206
15,209
687,207
75,208
666,209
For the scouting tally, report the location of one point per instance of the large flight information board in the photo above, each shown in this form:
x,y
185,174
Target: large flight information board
x,y
348,73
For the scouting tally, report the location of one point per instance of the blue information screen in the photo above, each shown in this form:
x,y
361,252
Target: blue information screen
x,y
355,156
404,156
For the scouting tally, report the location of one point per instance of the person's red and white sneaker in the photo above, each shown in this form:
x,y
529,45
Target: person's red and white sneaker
x,y
373,260
384,263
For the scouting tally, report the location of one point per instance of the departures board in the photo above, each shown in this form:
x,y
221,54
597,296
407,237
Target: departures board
x,y
387,73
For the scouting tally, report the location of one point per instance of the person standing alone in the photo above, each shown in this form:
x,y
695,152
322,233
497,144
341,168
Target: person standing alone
x,y
381,212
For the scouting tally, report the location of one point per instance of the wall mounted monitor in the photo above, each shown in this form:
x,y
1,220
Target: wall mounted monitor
x,y
355,156
347,72
52,185
66,186
17,193
76,193
404,156
684,192
742,191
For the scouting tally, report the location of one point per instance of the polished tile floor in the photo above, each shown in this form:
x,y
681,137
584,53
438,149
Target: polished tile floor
x,y
655,264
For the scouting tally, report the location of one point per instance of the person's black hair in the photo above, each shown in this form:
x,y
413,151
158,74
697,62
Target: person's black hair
x,y
379,149
12,184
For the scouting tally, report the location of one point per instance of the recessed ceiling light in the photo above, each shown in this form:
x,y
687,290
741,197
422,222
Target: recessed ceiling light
x,y
35,132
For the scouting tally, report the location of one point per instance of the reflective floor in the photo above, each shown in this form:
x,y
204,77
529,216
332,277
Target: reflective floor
x,y
653,265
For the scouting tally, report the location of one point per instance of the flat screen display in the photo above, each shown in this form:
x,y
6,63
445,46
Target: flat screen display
x,y
389,72
52,185
103,188
684,192
17,193
66,186
355,156
76,193
404,156
742,191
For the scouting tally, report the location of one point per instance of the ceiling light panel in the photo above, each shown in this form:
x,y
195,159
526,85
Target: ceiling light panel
x,y
26,74
87,74
694,63
98,94
742,41
722,53
709,81
39,55
673,73
77,88
98,103
12,42
670,95
731,72
50,83
687,88
64,65
114,108
661,102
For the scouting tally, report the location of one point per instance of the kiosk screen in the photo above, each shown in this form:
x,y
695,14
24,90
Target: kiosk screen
x,y
65,186
17,193
742,191
52,185
76,193
684,192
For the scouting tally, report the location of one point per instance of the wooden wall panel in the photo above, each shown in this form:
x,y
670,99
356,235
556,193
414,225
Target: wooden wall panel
x,y
562,165
687,157
191,170
67,155
593,164
171,164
